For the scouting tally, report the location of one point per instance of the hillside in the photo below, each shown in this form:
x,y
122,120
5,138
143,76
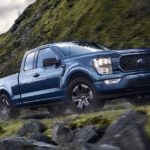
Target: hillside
x,y
115,24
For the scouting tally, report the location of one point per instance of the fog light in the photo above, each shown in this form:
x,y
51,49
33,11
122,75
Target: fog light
x,y
112,81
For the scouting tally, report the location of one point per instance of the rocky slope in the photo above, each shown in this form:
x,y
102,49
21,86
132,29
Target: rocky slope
x,y
115,24
96,132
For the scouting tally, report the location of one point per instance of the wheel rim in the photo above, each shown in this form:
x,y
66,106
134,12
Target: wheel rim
x,y
82,96
4,109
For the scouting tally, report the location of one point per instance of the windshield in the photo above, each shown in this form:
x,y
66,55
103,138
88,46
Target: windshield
x,y
78,48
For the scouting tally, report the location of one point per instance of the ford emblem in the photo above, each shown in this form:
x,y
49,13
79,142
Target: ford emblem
x,y
140,61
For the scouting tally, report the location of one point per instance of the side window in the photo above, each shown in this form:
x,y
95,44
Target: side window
x,y
29,61
44,54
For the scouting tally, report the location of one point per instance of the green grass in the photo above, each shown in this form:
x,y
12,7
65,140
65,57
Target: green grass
x,y
10,128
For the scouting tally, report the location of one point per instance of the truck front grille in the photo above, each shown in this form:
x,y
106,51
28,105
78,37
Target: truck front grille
x,y
135,62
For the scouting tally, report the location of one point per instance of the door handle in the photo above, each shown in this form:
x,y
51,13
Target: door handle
x,y
36,75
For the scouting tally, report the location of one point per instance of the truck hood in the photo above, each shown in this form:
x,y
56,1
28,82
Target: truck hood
x,y
111,53
130,51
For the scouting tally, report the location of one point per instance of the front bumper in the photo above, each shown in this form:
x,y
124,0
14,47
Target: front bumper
x,y
133,84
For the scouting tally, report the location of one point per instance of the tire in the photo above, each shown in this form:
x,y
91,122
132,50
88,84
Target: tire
x,y
6,109
57,110
139,100
82,97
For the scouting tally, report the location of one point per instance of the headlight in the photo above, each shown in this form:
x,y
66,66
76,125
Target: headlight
x,y
103,65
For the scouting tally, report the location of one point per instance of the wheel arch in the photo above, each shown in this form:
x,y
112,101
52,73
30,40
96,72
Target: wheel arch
x,y
77,74
13,113
3,91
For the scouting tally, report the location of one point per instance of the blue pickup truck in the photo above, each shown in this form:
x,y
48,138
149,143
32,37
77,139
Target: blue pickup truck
x,y
81,75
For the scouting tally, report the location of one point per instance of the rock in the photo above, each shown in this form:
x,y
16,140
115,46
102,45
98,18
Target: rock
x,y
127,132
20,19
42,138
86,134
32,126
62,134
43,146
87,146
36,116
20,143
108,147
37,16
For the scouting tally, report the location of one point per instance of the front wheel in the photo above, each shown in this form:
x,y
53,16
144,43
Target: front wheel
x,y
6,109
82,96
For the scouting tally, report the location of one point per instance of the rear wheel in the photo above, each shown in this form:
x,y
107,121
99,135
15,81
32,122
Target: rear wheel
x,y
6,109
82,96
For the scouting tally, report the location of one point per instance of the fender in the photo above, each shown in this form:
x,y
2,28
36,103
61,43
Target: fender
x,y
6,90
74,70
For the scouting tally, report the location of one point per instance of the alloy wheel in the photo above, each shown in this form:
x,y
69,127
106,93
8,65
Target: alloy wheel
x,y
4,109
82,96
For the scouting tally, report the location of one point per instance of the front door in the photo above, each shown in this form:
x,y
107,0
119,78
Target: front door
x,y
45,84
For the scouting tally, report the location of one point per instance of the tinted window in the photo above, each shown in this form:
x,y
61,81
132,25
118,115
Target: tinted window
x,y
44,54
78,48
29,61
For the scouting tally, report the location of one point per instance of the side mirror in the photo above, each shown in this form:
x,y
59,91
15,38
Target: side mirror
x,y
50,62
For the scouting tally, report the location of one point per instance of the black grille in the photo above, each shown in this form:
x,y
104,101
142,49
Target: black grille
x,y
135,62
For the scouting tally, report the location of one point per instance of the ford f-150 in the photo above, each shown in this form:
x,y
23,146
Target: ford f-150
x,y
81,75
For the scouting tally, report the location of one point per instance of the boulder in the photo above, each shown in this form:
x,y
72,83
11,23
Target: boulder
x,y
32,126
86,134
20,143
127,132
86,146
42,138
62,134
108,147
